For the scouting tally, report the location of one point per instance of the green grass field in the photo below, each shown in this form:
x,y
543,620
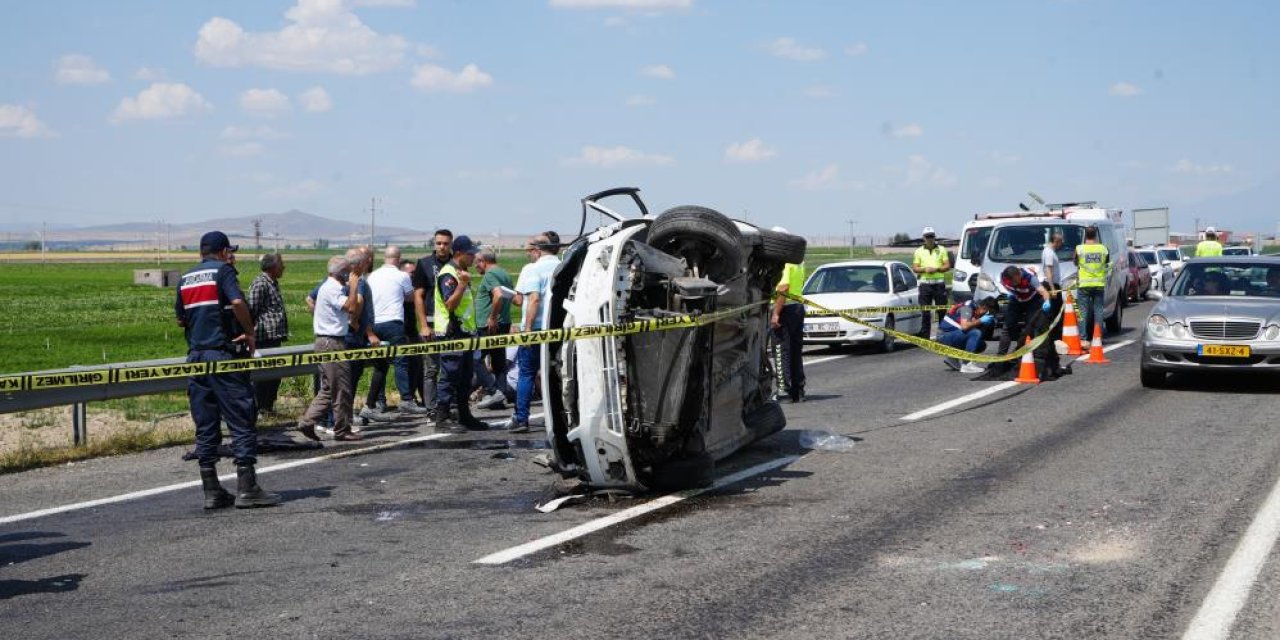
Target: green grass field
x,y
57,315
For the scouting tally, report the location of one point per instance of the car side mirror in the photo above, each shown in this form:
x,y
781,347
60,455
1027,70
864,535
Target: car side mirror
x,y
976,259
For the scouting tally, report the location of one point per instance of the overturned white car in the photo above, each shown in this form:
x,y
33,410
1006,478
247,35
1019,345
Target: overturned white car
x,y
657,410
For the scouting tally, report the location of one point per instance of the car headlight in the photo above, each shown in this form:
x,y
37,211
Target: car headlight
x,y
1158,326
986,283
960,276
1272,333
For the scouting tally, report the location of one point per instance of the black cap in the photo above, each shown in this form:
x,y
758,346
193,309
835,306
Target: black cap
x,y
463,244
216,241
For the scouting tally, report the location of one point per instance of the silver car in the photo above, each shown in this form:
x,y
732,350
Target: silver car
x,y
1222,313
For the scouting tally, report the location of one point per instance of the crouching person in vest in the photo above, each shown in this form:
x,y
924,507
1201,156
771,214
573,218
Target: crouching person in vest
x,y
209,304
455,319
962,328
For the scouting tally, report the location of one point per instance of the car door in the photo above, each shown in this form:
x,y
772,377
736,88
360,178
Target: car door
x,y
906,292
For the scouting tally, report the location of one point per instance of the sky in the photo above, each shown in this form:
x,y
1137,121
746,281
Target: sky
x,y
488,116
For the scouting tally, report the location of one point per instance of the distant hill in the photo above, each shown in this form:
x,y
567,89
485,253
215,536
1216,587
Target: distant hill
x,y
289,224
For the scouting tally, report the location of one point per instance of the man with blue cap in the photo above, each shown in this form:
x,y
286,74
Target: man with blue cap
x,y
209,307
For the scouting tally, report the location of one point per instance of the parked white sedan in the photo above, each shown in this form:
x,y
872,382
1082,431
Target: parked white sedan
x,y
860,284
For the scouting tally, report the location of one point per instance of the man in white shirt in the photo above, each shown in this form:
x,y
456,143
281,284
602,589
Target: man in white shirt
x,y
533,289
337,300
390,288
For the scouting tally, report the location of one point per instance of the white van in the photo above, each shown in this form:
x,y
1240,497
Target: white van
x,y
973,240
1019,238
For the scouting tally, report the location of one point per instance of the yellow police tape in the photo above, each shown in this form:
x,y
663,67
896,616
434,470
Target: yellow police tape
x,y
929,345
113,374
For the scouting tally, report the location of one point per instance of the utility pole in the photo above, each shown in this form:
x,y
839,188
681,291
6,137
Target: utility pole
x,y
44,230
257,234
852,239
373,214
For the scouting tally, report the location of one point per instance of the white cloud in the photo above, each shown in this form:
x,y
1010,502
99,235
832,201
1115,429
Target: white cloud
x,y
321,36
825,178
148,74
1125,90
752,150
241,149
641,101
619,156
791,50
17,121
659,71
645,5
820,92
265,103
922,172
1186,166
296,191
315,100
161,100
429,77
74,68
911,130
856,49
260,132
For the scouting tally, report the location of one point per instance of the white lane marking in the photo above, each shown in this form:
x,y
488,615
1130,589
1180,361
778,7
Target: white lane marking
x,y
951,404
1106,348
939,408
520,551
88,504
1231,591
822,360
293,464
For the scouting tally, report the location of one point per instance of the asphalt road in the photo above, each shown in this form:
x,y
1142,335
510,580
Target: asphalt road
x,y
1087,507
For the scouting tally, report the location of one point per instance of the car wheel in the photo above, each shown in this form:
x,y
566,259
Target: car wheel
x,y
691,472
888,342
708,241
776,246
1116,319
765,420
1153,378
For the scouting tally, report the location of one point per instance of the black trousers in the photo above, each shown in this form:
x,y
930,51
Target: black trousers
x,y
790,339
932,293
265,392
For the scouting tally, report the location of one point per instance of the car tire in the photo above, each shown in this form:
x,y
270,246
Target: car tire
x,y
765,420
707,240
692,472
1153,378
888,342
1116,319
776,246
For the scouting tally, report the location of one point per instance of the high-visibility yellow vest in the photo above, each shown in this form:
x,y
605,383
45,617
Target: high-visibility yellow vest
x,y
1094,261
463,312
793,276
925,258
1208,249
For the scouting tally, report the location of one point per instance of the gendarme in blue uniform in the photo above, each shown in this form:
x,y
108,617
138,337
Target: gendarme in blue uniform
x,y
203,306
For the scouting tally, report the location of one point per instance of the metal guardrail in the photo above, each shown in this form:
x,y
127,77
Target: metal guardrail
x,y
78,397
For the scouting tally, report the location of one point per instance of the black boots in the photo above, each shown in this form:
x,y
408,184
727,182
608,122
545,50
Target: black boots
x,y
248,493
215,497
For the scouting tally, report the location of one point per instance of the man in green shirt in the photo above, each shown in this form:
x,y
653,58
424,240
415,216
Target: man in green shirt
x,y
493,317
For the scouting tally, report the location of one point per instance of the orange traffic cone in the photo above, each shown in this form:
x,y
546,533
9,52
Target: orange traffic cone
x,y
1070,329
1027,370
1095,348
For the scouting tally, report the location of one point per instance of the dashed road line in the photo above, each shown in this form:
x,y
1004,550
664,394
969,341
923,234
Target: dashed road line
x,y
541,544
994,389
